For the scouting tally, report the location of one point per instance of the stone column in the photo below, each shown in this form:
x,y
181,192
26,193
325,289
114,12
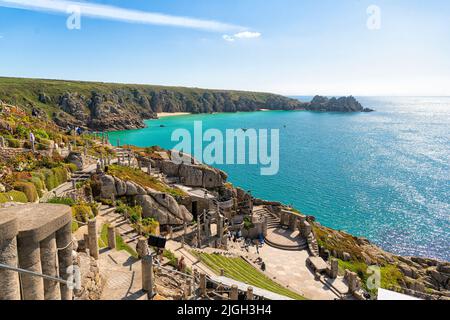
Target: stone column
x,y
30,259
149,168
220,228
207,227
93,241
147,275
292,222
64,243
334,268
306,229
170,233
264,227
250,293
111,237
202,285
234,294
142,247
188,289
185,229
9,280
49,260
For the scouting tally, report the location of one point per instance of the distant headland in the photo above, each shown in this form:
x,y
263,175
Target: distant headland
x,y
111,106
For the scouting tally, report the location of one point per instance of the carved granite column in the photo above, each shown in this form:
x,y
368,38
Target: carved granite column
x,y
93,241
250,293
9,280
49,260
147,275
30,259
234,294
64,243
111,237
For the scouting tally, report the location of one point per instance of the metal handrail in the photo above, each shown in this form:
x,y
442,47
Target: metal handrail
x,y
36,274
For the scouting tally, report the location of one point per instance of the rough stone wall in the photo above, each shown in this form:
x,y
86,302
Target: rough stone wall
x,y
91,281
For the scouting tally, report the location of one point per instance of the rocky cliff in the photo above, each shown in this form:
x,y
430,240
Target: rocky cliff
x,y
342,104
107,106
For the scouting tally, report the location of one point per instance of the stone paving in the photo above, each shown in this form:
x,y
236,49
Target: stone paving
x,y
284,237
289,268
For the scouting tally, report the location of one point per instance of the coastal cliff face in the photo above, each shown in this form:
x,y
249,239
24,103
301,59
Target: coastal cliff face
x,y
106,106
342,104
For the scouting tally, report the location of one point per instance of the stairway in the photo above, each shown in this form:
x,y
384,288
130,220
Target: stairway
x,y
80,176
123,227
273,222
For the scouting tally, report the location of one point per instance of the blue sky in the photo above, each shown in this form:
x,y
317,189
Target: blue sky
x,y
293,47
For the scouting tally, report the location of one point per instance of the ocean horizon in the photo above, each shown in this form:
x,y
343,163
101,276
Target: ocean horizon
x,y
381,175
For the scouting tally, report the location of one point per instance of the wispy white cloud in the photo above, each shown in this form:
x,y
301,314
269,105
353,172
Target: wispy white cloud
x,y
108,12
241,35
247,35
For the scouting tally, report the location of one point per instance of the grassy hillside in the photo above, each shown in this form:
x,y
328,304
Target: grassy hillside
x,y
124,106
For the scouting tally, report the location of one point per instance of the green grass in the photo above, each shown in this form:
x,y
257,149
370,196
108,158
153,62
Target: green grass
x,y
240,270
140,177
120,243
390,274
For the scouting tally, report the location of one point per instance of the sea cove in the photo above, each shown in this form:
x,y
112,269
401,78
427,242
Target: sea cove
x,y
381,175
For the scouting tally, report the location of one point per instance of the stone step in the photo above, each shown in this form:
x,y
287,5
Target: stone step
x,y
105,212
117,219
132,239
127,232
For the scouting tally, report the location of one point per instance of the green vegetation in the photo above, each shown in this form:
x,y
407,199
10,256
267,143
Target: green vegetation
x,y
120,243
28,189
59,200
145,180
82,213
46,95
13,196
148,226
13,143
240,270
390,274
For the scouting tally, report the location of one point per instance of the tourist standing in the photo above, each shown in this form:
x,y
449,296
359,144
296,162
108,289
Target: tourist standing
x,y
32,140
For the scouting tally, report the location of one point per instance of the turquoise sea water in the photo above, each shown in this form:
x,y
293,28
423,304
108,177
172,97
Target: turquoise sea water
x,y
382,175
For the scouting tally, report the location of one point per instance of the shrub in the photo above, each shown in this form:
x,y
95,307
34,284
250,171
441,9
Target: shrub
x,y
13,143
41,133
38,184
66,201
82,212
54,177
61,175
50,179
74,226
43,145
13,196
71,167
150,226
22,132
28,188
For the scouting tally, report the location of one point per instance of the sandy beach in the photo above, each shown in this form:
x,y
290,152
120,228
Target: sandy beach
x,y
172,114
